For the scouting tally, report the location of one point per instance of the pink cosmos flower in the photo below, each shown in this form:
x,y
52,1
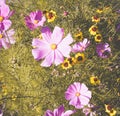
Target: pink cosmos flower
x,y
6,39
35,19
59,112
89,110
81,46
52,48
78,95
5,13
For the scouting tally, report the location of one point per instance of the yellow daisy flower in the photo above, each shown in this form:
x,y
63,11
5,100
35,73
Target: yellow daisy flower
x,y
110,110
79,36
79,57
66,65
95,19
51,15
98,38
93,30
94,80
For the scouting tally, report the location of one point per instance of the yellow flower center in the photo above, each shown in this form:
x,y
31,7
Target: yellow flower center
x,y
53,46
1,18
1,36
77,94
36,21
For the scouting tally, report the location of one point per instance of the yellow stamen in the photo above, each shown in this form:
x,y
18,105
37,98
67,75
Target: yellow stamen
x,y
36,21
53,46
77,94
1,18
1,36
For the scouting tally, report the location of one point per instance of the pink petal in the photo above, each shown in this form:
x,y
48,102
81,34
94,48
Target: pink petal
x,y
64,47
69,96
49,113
10,36
41,22
2,2
49,59
4,10
84,100
5,44
83,88
76,102
46,34
58,58
77,86
87,94
39,53
57,35
40,43
68,113
7,24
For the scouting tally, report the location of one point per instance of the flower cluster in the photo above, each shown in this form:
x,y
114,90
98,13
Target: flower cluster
x,y
6,34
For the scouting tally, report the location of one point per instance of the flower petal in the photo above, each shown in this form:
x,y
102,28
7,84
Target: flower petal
x,y
40,44
68,113
76,102
5,44
39,53
83,88
49,113
7,24
4,10
87,94
58,58
41,22
46,34
57,35
84,100
49,59
64,47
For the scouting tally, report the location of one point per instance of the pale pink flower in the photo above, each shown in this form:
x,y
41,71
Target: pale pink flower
x,y
89,110
52,48
59,112
2,2
5,13
78,95
7,38
35,19
81,46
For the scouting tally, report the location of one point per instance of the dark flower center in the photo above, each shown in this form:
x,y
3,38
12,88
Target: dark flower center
x,y
94,29
95,79
51,15
79,58
65,64
95,17
109,107
98,37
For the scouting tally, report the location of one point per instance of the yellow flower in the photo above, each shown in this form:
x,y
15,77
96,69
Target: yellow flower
x,y
94,80
98,38
79,57
110,110
93,30
79,36
100,10
95,19
71,60
66,65
51,15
